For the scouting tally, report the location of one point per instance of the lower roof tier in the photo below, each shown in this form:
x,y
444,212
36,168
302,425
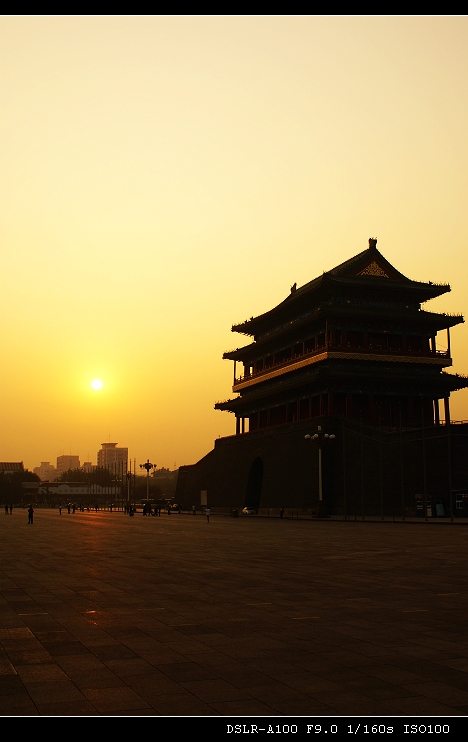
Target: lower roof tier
x,y
348,378
352,319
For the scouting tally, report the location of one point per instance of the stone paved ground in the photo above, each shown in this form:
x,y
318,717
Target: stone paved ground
x,y
105,614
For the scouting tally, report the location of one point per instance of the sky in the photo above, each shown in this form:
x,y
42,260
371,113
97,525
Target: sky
x,y
164,178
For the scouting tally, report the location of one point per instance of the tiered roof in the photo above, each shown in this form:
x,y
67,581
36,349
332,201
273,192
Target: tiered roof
x,y
367,272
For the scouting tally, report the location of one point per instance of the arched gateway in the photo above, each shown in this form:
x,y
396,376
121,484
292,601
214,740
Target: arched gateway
x,y
254,484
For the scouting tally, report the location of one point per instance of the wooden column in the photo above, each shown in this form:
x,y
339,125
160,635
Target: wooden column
x,y
436,412
237,425
447,410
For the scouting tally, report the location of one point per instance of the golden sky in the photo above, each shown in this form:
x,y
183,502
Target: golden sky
x,y
166,177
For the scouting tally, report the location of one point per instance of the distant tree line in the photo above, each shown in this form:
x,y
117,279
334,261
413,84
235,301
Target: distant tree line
x,y
10,484
100,475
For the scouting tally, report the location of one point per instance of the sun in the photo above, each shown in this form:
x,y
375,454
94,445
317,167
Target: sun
x,y
96,384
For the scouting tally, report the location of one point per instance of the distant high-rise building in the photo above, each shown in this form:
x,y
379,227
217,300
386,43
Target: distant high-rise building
x,y
112,458
88,467
64,463
46,471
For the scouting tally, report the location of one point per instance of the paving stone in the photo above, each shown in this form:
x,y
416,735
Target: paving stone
x,y
236,623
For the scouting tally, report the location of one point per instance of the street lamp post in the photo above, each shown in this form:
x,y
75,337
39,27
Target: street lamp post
x,y
129,478
320,438
148,466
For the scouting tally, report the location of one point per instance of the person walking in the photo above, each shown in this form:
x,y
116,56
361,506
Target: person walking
x,y
208,512
30,514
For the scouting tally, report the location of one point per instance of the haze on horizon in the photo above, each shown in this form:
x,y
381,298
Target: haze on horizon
x,y
167,177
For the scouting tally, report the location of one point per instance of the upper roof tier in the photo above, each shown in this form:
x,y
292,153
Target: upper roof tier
x,y
366,273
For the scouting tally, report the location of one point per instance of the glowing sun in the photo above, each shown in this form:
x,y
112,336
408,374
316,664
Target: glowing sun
x,y
96,384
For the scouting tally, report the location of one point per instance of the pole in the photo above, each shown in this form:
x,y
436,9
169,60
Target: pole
x,y
320,473
449,454
424,460
402,473
344,474
380,468
362,469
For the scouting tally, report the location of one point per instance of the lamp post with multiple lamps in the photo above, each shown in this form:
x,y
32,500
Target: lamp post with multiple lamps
x,y
320,438
148,466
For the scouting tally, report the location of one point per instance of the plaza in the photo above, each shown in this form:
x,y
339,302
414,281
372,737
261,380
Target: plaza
x,y
104,614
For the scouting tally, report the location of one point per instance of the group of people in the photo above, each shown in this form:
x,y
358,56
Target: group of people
x,y
148,510
129,509
9,510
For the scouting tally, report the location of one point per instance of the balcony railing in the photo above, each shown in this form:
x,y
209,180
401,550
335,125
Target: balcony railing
x,y
340,349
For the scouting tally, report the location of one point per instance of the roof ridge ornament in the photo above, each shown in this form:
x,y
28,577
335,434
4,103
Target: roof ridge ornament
x,y
372,243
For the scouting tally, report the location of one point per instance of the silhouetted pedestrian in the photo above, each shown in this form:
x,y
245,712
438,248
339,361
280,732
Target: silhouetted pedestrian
x,y
6,509
60,510
194,510
30,514
282,513
11,509
208,511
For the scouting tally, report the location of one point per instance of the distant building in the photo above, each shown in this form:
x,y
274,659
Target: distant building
x,y
74,488
46,471
112,458
9,467
163,473
65,463
88,467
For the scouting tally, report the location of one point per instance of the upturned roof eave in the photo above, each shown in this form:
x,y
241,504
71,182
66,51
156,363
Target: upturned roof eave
x,y
423,292
433,320
439,384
